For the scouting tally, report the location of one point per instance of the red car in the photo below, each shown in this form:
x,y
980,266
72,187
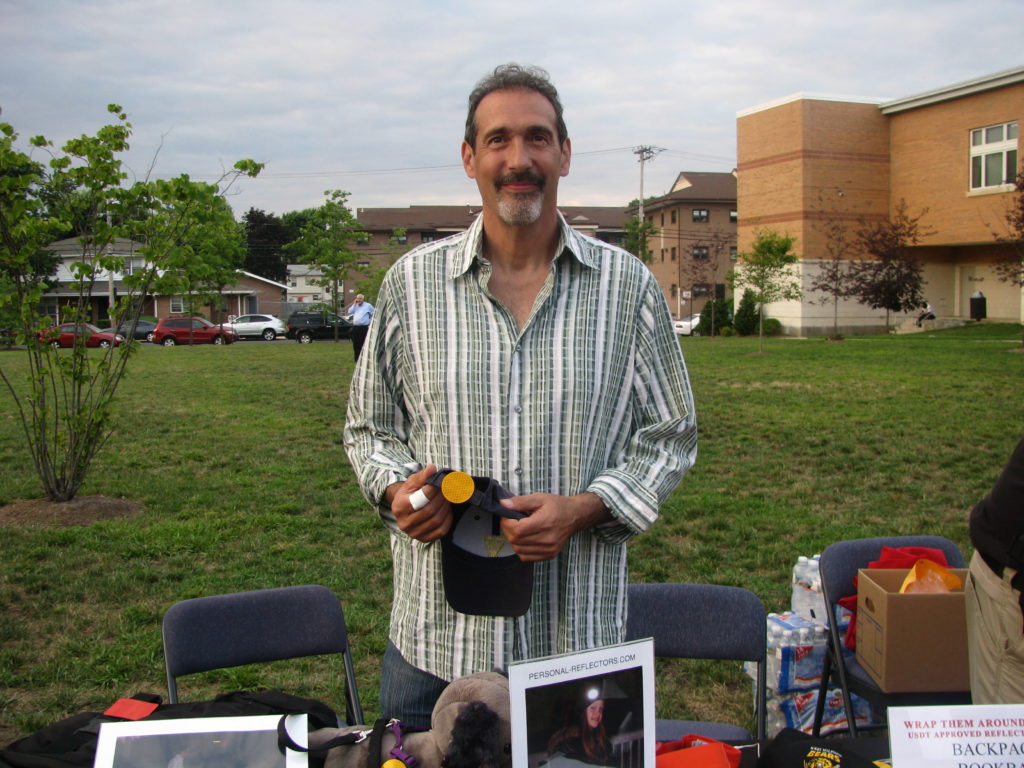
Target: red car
x,y
64,335
197,330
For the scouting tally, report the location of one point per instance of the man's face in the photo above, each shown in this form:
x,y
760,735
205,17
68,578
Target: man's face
x,y
517,160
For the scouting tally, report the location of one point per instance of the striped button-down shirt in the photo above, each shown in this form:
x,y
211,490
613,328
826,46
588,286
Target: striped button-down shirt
x,y
591,394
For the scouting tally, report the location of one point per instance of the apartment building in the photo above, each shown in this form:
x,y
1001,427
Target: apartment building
x,y
694,240
807,160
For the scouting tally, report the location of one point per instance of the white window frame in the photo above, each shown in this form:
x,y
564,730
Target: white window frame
x,y
701,215
701,252
994,157
177,305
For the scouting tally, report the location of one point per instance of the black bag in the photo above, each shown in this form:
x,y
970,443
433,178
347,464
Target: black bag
x,y
72,741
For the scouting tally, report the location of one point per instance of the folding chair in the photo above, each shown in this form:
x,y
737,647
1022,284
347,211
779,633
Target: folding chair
x,y
839,565
250,627
702,621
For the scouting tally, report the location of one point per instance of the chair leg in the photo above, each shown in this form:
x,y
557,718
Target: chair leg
x,y
819,706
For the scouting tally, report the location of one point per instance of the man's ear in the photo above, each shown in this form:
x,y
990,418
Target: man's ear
x,y
467,160
566,157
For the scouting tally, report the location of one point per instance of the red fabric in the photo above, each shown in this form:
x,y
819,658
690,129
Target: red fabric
x,y
890,557
693,750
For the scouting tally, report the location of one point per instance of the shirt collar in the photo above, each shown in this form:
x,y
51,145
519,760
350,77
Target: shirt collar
x,y
570,241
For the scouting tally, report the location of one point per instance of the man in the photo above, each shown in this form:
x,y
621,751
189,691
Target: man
x,y
361,312
995,590
521,351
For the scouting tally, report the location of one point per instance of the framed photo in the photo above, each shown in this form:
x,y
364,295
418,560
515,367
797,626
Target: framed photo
x,y
202,742
586,709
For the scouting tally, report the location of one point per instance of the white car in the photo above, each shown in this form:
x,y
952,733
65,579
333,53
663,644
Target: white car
x,y
688,325
267,327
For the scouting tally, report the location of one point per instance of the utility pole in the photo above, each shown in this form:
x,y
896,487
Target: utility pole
x,y
644,154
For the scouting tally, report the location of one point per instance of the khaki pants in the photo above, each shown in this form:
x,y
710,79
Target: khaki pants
x,y
995,638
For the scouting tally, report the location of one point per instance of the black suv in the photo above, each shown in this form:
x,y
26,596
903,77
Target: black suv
x,y
306,326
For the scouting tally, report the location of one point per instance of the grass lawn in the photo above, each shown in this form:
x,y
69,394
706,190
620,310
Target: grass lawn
x,y
236,455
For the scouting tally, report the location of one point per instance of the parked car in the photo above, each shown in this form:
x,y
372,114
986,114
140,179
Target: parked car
x,y
304,327
687,326
266,327
181,330
64,335
143,330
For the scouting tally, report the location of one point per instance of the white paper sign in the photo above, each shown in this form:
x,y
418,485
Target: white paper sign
x,y
607,691
979,736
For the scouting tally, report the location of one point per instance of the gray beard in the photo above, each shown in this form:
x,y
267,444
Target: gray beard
x,y
519,210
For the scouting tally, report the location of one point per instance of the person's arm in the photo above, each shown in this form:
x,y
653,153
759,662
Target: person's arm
x,y
376,428
664,443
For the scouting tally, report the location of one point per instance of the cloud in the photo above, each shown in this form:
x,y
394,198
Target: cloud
x,y
326,93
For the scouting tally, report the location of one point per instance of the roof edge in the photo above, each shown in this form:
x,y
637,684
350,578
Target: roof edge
x,y
955,91
807,96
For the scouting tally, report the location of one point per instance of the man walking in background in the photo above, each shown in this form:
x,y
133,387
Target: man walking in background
x,y
361,312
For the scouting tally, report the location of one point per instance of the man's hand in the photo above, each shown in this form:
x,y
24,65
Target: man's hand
x,y
551,521
431,521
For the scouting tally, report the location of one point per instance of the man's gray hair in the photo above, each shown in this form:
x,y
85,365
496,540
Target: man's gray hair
x,y
509,77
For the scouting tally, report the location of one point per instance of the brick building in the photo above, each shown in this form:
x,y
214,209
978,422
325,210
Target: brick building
x,y
807,160
694,244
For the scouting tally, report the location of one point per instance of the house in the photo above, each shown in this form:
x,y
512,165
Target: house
x,y
694,240
248,293
806,161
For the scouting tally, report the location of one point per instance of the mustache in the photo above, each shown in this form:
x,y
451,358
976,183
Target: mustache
x,y
530,177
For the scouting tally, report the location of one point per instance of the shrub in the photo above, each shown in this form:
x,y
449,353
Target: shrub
x,y
720,309
745,321
772,327
728,331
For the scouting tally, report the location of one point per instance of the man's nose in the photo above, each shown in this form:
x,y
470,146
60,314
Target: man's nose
x,y
518,156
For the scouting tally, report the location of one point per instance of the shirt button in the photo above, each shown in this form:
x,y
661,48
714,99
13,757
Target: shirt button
x,y
518,409
518,470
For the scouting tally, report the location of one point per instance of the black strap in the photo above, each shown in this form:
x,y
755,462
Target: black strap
x,y
284,739
376,738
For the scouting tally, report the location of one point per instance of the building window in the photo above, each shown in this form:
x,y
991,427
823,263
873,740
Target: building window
x,y
994,155
177,305
131,265
293,283
673,215
402,239
675,290
733,217
701,252
662,254
363,264
700,215
426,237
663,219
673,253
733,253
701,290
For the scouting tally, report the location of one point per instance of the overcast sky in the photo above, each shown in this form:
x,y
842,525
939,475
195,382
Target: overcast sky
x,y
369,97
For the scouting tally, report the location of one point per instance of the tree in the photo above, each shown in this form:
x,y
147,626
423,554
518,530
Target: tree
x,y
265,239
704,270
1010,266
766,273
715,316
325,242
66,404
637,234
835,277
893,280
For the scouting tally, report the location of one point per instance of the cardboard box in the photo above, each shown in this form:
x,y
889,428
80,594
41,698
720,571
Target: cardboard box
x,y
910,642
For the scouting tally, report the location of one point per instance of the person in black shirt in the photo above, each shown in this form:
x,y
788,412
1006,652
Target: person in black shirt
x,y
995,590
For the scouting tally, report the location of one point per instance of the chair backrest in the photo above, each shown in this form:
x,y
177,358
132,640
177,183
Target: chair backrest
x,y
841,560
702,621
264,625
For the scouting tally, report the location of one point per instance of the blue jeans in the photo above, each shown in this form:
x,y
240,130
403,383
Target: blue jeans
x,y
407,692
